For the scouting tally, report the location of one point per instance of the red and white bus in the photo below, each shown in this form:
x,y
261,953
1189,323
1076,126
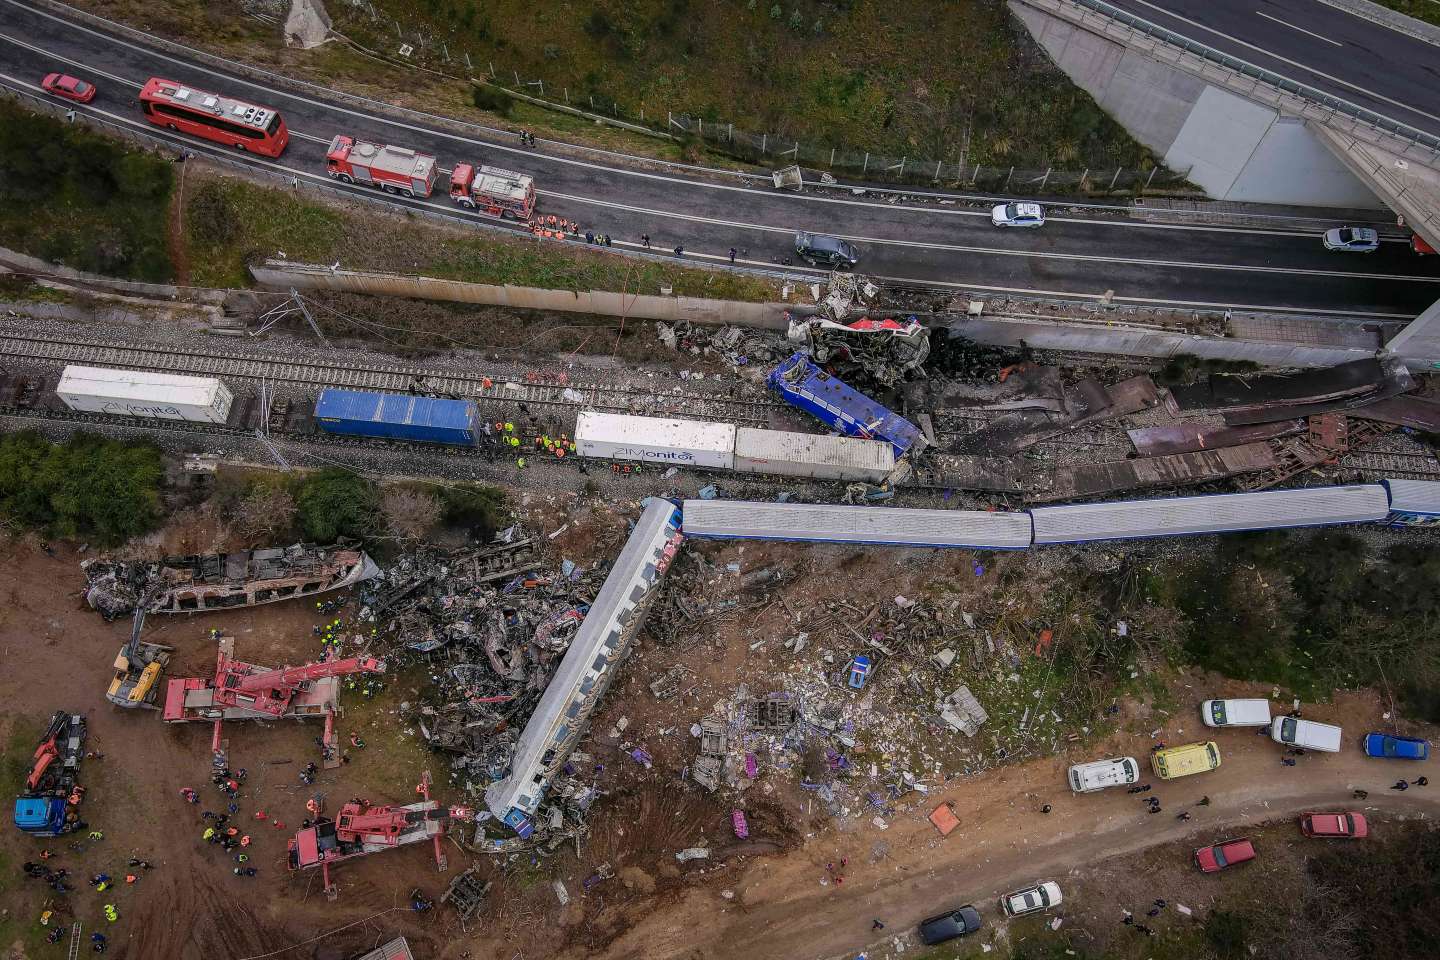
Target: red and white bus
x,y
234,123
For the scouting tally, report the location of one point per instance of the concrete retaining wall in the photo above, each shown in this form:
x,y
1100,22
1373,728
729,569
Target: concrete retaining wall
x,y
283,275
1233,148
1148,343
155,291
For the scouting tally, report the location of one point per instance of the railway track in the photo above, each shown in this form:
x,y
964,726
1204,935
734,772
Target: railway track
x,y
496,392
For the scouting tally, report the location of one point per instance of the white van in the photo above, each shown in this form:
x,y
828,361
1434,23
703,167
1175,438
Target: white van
x,y
1099,774
1306,733
1235,713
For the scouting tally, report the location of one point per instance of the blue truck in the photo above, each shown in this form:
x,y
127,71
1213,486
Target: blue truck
x,y
839,406
44,809
397,416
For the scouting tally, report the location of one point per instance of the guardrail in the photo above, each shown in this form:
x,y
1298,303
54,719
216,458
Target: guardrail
x,y
1240,75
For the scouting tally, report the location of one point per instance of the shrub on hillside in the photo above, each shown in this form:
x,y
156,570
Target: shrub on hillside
x,y
336,503
88,487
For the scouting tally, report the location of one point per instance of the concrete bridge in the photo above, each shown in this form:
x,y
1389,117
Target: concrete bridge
x,y
1326,103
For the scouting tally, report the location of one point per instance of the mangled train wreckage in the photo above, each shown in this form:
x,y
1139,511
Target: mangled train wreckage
x,y
218,581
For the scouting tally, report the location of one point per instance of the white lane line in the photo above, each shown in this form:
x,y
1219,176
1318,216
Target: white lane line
x,y
1343,7
276,92
1300,29
164,135
1294,63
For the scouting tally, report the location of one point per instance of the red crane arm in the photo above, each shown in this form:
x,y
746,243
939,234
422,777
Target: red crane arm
x,y
292,676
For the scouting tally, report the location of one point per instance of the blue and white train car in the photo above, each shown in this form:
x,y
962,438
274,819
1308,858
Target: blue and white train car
x,y
1413,503
1218,513
840,407
871,526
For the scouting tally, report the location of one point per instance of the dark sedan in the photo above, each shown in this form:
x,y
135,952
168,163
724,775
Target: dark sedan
x,y
948,926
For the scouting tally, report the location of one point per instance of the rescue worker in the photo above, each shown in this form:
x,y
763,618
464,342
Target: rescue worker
x,y
520,462
209,835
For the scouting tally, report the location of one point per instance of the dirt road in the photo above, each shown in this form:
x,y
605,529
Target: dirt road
x,y
781,910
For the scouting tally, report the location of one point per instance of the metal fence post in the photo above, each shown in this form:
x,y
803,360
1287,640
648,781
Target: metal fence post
x,y
1045,180
730,133
763,138
866,168
1007,178
492,70
1149,178
1118,171
832,157
517,77
566,92
470,67
542,87
902,168
937,171
397,30
1081,184
445,48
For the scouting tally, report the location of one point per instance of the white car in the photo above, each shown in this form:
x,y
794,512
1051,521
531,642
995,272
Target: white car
x,y
1018,215
1042,896
1352,240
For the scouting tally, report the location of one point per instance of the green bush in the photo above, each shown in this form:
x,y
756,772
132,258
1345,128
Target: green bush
x,y
77,198
87,487
493,99
336,503
475,507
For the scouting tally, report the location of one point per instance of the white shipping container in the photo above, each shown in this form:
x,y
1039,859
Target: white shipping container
x,y
680,443
141,393
812,455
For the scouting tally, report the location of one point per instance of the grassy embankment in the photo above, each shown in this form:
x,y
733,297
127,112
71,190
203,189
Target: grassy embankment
x,y
894,77
78,198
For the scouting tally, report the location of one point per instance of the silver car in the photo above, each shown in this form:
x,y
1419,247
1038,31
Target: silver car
x,y
1352,240
1018,215
1041,896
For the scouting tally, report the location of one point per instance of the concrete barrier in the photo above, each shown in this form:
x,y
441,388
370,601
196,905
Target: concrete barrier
x,y
282,274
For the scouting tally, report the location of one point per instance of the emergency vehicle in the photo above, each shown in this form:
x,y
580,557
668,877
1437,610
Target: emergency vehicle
x,y
492,190
392,169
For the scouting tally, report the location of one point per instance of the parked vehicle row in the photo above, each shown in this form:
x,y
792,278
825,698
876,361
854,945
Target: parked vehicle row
x,y
966,920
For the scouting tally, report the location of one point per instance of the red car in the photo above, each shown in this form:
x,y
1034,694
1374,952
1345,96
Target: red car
x,y
1226,853
1334,825
68,87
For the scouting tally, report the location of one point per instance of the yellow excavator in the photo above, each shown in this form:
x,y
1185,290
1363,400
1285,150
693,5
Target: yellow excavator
x,y
138,665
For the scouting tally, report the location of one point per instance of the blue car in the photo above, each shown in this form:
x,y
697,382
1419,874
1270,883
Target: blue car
x,y
1395,748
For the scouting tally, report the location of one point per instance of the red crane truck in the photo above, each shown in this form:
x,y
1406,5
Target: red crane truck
x,y
493,190
392,169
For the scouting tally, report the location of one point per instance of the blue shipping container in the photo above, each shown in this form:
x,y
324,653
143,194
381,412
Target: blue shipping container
x,y
839,406
396,416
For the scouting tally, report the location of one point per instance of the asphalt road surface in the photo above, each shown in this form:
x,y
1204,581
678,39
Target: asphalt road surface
x,y
1349,56
1081,254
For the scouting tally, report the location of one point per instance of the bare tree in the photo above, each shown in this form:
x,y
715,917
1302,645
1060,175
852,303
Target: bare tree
x,y
265,509
409,513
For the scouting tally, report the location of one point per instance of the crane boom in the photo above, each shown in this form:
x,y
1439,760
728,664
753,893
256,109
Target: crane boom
x,y
294,676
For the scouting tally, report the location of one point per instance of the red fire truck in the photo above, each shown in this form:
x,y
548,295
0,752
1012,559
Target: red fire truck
x,y
392,169
234,123
492,190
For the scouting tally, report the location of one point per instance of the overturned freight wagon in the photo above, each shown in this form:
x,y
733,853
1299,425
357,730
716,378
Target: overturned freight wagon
x,y
396,416
144,393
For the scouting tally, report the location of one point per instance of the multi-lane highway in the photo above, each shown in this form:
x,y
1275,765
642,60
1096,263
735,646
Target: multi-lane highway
x,y
1342,53
1078,253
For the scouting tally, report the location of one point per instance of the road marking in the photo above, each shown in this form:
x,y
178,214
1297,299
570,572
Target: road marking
x,y
252,159
1362,15
1300,29
1276,56
638,174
